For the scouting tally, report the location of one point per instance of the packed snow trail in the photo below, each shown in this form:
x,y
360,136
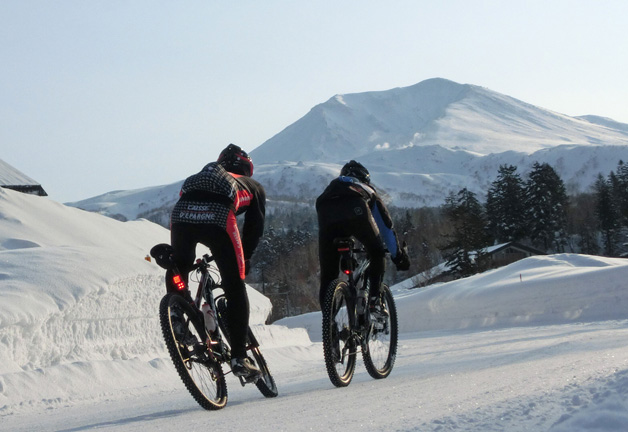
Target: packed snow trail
x,y
515,379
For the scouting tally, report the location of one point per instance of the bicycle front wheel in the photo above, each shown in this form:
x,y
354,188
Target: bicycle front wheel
x,y
339,346
266,383
184,334
379,357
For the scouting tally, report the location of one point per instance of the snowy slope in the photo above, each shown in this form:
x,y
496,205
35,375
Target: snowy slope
x,y
419,142
424,176
539,345
78,298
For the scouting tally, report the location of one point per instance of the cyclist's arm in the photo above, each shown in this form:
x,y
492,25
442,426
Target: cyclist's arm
x,y
253,228
385,225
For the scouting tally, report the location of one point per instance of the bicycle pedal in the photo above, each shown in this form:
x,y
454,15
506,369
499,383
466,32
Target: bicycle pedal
x,y
244,380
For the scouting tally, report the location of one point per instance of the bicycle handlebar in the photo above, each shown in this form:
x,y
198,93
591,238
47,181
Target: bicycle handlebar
x,y
202,262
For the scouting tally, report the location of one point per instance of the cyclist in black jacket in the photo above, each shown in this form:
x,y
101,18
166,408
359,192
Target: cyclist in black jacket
x,y
350,206
206,213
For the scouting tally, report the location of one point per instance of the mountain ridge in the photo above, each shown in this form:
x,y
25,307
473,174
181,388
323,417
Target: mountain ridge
x,y
432,112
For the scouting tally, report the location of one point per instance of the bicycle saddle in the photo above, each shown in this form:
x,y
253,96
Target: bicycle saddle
x,y
344,242
163,255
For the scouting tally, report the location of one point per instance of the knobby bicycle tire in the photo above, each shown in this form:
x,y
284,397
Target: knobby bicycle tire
x,y
338,345
183,333
266,383
381,347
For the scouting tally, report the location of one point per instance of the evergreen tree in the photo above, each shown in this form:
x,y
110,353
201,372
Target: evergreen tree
x,y
582,224
464,250
546,200
619,186
422,229
607,213
505,206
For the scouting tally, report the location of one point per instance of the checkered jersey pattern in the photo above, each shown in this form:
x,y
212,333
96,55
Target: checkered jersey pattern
x,y
212,178
215,180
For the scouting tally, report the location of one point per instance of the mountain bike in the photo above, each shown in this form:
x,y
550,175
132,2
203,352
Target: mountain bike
x,y
197,336
349,326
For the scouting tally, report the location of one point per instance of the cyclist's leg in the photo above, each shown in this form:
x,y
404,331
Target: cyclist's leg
x,y
183,238
219,241
328,258
367,233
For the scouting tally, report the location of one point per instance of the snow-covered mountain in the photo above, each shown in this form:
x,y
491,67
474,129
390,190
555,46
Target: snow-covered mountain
x,y
423,141
419,142
432,112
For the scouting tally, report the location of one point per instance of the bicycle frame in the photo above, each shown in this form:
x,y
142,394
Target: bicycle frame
x,y
356,272
199,362
205,290
206,287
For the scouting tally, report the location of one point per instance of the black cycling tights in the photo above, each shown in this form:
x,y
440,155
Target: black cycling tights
x,y
184,238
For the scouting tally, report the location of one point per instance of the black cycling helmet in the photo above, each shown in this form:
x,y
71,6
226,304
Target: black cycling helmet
x,y
236,161
357,170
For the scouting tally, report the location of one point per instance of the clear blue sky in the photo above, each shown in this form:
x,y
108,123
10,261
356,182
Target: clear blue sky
x,y
103,95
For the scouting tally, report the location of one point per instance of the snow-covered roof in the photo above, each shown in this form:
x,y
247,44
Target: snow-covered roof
x,y
497,248
10,176
13,178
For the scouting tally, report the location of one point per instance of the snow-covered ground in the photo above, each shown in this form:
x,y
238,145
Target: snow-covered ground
x,y
539,345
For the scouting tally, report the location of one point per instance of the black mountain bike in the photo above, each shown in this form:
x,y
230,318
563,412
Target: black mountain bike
x,y
349,325
198,344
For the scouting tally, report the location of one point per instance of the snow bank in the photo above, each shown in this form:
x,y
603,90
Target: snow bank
x,y
540,290
79,302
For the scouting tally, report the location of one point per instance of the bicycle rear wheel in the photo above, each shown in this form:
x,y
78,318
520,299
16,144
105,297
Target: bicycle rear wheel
x,y
266,383
379,357
184,334
338,345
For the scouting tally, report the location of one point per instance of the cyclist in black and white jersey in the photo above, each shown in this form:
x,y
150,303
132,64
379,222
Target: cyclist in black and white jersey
x,y
206,213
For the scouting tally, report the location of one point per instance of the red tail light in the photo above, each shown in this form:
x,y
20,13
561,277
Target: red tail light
x,y
347,265
178,282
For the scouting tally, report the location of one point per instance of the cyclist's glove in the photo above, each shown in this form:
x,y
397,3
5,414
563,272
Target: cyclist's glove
x,y
402,260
